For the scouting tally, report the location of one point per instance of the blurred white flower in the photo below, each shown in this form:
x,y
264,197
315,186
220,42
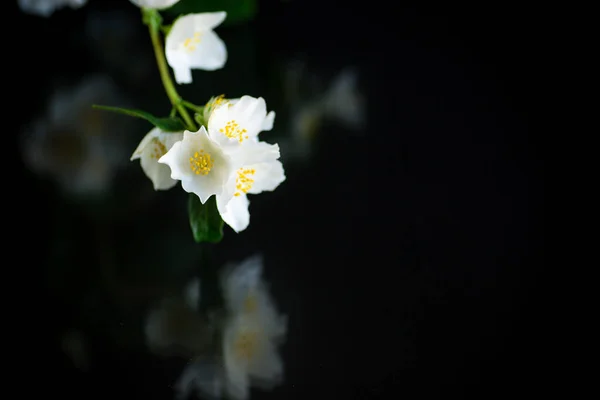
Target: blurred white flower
x,y
157,4
253,331
45,8
81,148
175,327
192,44
152,147
341,103
200,164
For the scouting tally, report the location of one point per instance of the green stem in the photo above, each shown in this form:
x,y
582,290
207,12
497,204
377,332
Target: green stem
x,y
192,106
176,101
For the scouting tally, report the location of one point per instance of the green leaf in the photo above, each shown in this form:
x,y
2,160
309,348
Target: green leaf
x,y
167,124
205,220
237,10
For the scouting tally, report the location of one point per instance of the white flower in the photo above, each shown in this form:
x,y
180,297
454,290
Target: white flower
x,y
259,171
80,148
252,333
157,4
218,101
200,164
45,8
152,147
192,44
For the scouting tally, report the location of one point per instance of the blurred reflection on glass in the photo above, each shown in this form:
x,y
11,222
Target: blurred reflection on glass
x,y
78,147
46,8
312,102
231,348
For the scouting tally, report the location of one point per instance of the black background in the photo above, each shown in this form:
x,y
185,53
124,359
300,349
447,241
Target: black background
x,y
411,254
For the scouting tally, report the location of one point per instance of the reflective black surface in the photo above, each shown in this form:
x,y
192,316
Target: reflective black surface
x,y
404,251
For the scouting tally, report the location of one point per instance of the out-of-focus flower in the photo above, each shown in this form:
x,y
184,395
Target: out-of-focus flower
x,y
46,8
252,333
81,148
341,103
200,164
152,147
156,4
175,327
192,44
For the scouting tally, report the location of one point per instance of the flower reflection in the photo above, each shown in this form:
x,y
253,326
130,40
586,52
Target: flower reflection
x,y
78,147
230,349
311,104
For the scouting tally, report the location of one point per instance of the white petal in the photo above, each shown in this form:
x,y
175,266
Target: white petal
x,y
248,115
179,157
203,375
236,375
268,122
237,281
235,213
159,174
210,54
145,141
268,176
157,4
191,44
208,20
181,67
191,294
267,367
153,146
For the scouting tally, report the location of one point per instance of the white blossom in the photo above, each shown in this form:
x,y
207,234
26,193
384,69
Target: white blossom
x,y
253,331
200,164
259,171
80,148
235,124
192,44
153,146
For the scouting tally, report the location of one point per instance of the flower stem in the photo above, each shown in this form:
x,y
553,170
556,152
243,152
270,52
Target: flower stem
x,y
153,22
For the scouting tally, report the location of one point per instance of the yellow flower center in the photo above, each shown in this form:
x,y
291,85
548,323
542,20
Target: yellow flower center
x,y
233,130
190,43
201,163
244,181
250,304
245,345
158,149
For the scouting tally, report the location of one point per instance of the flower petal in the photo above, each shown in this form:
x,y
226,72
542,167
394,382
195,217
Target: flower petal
x,y
268,122
159,174
199,163
235,212
145,141
268,176
210,54
157,4
234,123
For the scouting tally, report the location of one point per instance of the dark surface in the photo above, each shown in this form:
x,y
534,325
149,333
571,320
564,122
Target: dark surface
x,y
407,258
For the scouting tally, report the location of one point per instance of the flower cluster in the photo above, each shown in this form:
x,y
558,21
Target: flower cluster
x,y
224,157
249,334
